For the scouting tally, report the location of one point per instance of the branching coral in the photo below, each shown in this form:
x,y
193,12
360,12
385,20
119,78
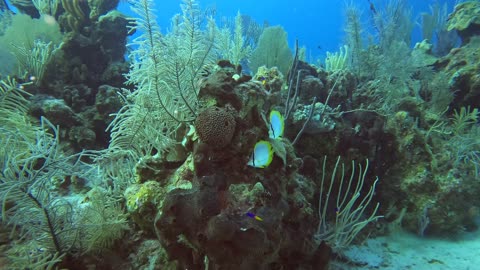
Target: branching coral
x,y
48,7
32,159
35,60
13,111
237,49
101,222
73,7
338,60
25,199
32,47
100,7
349,218
74,17
165,70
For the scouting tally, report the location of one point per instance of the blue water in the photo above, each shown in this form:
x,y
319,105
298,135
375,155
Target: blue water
x,y
317,24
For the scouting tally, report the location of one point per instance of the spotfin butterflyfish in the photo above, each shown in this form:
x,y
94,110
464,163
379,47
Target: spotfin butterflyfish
x,y
262,155
277,125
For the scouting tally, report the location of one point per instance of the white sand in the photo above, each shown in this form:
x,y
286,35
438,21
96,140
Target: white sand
x,y
408,251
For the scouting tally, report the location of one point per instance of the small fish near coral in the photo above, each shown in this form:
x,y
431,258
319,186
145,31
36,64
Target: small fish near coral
x,y
277,125
262,155
252,215
263,80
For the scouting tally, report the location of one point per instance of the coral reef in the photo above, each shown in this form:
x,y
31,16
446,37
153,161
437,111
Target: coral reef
x,y
91,57
432,177
462,67
465,20
176,188
271,78
209,220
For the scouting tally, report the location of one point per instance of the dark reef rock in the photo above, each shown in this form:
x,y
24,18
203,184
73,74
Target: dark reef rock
x,y
82,137
90,45
100,7
343,83
78,96
54,110
82,77
114,74
150,252
107,101
112,35
84,113
211,219
26,7
312,86
217,87
237,216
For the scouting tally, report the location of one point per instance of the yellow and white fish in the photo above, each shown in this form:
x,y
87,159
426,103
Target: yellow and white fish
x,y
262,155
277,125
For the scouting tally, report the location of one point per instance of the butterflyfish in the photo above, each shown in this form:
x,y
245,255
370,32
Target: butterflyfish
x,y
277,125
262,155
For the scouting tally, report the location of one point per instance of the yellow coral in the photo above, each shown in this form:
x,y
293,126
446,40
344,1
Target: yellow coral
x,y
464,15
139,195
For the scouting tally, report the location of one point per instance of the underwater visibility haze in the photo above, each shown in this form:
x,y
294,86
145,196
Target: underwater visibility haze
x,y
276,135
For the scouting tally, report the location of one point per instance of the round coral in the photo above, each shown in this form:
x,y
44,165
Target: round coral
x,y
215,126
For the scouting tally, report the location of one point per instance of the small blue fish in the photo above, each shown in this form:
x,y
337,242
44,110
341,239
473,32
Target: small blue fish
x,y
252,215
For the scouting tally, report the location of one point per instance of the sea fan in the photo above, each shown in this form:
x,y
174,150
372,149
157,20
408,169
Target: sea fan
x,y
165,70
24,190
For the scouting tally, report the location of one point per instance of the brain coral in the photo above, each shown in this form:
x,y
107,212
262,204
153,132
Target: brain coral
x,y
215,126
